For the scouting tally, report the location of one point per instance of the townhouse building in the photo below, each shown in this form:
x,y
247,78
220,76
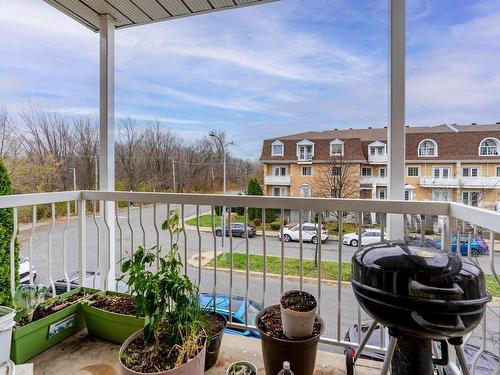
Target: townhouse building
x,y
443,163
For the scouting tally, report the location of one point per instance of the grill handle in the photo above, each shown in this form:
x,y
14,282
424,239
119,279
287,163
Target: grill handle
x,y
438,328
417,289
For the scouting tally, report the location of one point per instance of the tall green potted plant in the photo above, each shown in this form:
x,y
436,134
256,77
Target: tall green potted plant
x,y
173,338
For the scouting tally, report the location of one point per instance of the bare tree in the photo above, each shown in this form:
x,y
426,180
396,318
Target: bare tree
x,y
128,150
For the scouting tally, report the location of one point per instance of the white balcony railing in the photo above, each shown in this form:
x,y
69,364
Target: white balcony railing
x,y
83,243
277,180
373,180
377,158
439,182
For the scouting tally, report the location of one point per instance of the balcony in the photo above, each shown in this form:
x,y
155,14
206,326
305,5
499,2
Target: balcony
x,y
277,180
377,158
439,182
371,180
97,243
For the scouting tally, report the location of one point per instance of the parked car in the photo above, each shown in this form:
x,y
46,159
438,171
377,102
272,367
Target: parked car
x,y
92,281
238,307
478,245
367,237
486,365
24,270
309,233
238,230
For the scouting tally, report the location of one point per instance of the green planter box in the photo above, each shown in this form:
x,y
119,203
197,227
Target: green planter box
x,y
111,326
42,334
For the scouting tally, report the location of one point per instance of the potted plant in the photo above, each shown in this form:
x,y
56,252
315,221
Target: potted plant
x,y
298,311
241,368
277,348
173,340
215,331
42,323
111,316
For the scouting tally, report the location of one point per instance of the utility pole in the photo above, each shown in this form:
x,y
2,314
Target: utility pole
x,y
173,175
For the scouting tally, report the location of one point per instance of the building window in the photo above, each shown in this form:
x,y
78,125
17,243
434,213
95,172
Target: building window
x,y
407,195
381,194
307,171
336,148
413,172
336,171
277,148
305,150
377,150
441,195
279,191
366,171
382,172
427,148
335,193
471,171
498,171
488,146
305,191
442,172
280,171
470,198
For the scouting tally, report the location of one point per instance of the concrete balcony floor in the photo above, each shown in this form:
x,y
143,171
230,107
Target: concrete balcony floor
x,y
83,354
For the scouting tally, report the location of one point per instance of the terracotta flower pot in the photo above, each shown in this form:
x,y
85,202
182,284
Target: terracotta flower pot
x,y
297,324
301,354
195,366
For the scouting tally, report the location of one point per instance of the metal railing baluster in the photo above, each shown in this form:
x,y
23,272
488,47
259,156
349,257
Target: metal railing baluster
x,y
301,251
141,224
339,276
65,245
422,231
108,241
247,266
199,243
129,223
492,257
13,254
214,289
264,254
49,238
183,228
120,236
469,245
170,229
30,248
282,251
317,257
231,266
98,245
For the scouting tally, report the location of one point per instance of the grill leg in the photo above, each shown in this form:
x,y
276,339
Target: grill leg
x,y
413,356
459,349
388,357
365,340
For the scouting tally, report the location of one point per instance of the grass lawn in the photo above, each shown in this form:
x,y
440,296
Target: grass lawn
x,y
329,269
206,221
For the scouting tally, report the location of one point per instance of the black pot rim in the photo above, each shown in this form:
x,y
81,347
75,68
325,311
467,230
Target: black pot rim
x,y
314,338
285,294
225,322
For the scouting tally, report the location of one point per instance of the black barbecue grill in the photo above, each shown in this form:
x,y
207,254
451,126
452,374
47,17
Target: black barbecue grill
x,y
421,295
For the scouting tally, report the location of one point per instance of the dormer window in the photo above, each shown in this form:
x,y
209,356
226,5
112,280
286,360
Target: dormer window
x,y
489,147
305,150
427,148
277,148
336,148
377,148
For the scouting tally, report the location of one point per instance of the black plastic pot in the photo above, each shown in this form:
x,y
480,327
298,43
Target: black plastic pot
x,y
213,348
300,353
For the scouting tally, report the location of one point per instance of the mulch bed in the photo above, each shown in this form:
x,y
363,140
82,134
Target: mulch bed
x,y
298,301
271,324
116,304
42,311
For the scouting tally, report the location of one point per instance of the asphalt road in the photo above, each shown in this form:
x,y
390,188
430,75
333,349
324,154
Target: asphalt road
x,y
330,296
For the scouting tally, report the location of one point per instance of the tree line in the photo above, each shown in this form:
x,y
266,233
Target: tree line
x,y
42,149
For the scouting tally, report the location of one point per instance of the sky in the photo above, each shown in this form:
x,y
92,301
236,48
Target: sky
x,y
262,71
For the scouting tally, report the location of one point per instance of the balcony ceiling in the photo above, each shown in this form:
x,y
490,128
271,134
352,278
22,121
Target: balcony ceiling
x,y
129,13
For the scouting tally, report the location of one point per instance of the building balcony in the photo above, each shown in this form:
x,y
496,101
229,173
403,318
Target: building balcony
x,y
377,159
371,180
277,180
439,182
96,244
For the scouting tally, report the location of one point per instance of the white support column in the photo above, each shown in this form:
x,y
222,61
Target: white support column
x,y
396,130
106,134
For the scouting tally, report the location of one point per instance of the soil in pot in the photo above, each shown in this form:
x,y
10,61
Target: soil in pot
x,y
277,348
45,310
215,330
138,355
298,301
116,304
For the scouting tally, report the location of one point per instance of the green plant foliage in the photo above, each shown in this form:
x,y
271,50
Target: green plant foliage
x,y
254,189
28,298
275,225
6,228
168,299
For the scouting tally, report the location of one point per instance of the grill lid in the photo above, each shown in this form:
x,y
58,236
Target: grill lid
x,y
413,271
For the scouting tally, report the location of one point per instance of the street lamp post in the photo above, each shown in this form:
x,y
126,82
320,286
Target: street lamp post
x,y
223,145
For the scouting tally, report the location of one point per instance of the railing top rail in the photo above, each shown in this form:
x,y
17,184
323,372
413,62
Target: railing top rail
x,y
479,216
296,203
19,200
